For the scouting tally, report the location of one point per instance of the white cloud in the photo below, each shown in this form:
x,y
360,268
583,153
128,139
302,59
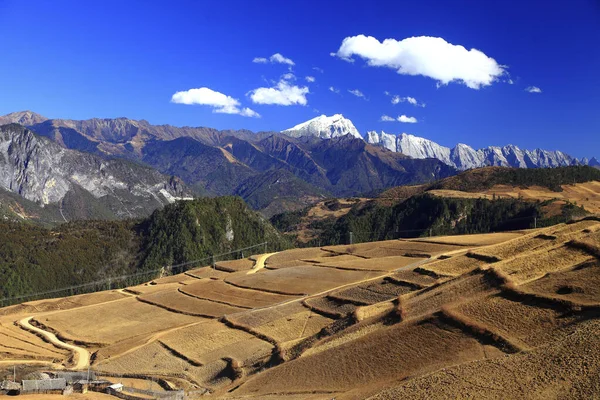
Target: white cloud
x,y
219,102
276,58
357,93
510,81
387,118
283,94
318,69
533,89
310,79
432,57
288,77
334,90
407,120
386,93
411,100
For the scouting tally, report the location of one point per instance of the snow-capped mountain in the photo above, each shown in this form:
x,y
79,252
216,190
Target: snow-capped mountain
x,y
324,127
464,157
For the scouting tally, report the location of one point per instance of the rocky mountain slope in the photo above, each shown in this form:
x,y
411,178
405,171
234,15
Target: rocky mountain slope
x,y
80,184
216,162
465,157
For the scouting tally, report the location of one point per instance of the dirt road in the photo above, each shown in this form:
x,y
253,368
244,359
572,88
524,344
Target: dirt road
x,y
83,356
260,263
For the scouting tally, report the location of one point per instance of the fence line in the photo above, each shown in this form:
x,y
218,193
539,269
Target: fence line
x,y
113,280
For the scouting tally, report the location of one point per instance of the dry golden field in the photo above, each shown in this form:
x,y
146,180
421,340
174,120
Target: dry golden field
x,y
584,194
511,315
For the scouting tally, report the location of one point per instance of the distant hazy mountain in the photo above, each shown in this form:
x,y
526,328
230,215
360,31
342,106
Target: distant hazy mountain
x,y
80,185
465,157
325,127
272,171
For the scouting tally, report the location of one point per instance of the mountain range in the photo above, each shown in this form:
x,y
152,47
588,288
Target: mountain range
x,y
465,157
271,171
461,157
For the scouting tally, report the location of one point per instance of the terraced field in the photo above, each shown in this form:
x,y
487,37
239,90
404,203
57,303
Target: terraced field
x,y
419,318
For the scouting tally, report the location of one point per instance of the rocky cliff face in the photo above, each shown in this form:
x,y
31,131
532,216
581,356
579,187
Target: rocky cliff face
x,y
44,172
465,157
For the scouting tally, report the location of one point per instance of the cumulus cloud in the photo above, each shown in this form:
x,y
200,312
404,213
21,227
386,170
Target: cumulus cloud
x,y
387,118
283,94
533,89
276,58
334,90
411,100
357,93
432,57
310,79
220,103
407,120
288,77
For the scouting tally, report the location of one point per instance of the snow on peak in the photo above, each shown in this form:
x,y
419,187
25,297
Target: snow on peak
x,y
325,127
465,157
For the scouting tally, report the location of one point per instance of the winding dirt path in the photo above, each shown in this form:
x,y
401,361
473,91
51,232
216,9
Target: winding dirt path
x,y
83,356
260,263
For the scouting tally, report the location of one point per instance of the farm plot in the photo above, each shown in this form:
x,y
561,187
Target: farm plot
x,y
402,246
111,322
18,344
221,292
207,273
475,240
534,265
568,231
432,299
527,243
245,264
62,303
299,280
528,323
179,278
454,266
386,354
579,285
151,287
155,359
330,306
373,292
179,302
211,341
372,264
283,323
559,370
296,254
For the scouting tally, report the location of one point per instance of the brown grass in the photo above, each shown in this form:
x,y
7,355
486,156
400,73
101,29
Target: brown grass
x,y
557,370
517,321
211,341
378,356
579,285
178,302
286,323
222,292
373,264
299,280
534,265
329,307
111,322
235,265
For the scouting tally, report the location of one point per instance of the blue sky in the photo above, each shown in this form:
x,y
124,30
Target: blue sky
x,y
83,59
